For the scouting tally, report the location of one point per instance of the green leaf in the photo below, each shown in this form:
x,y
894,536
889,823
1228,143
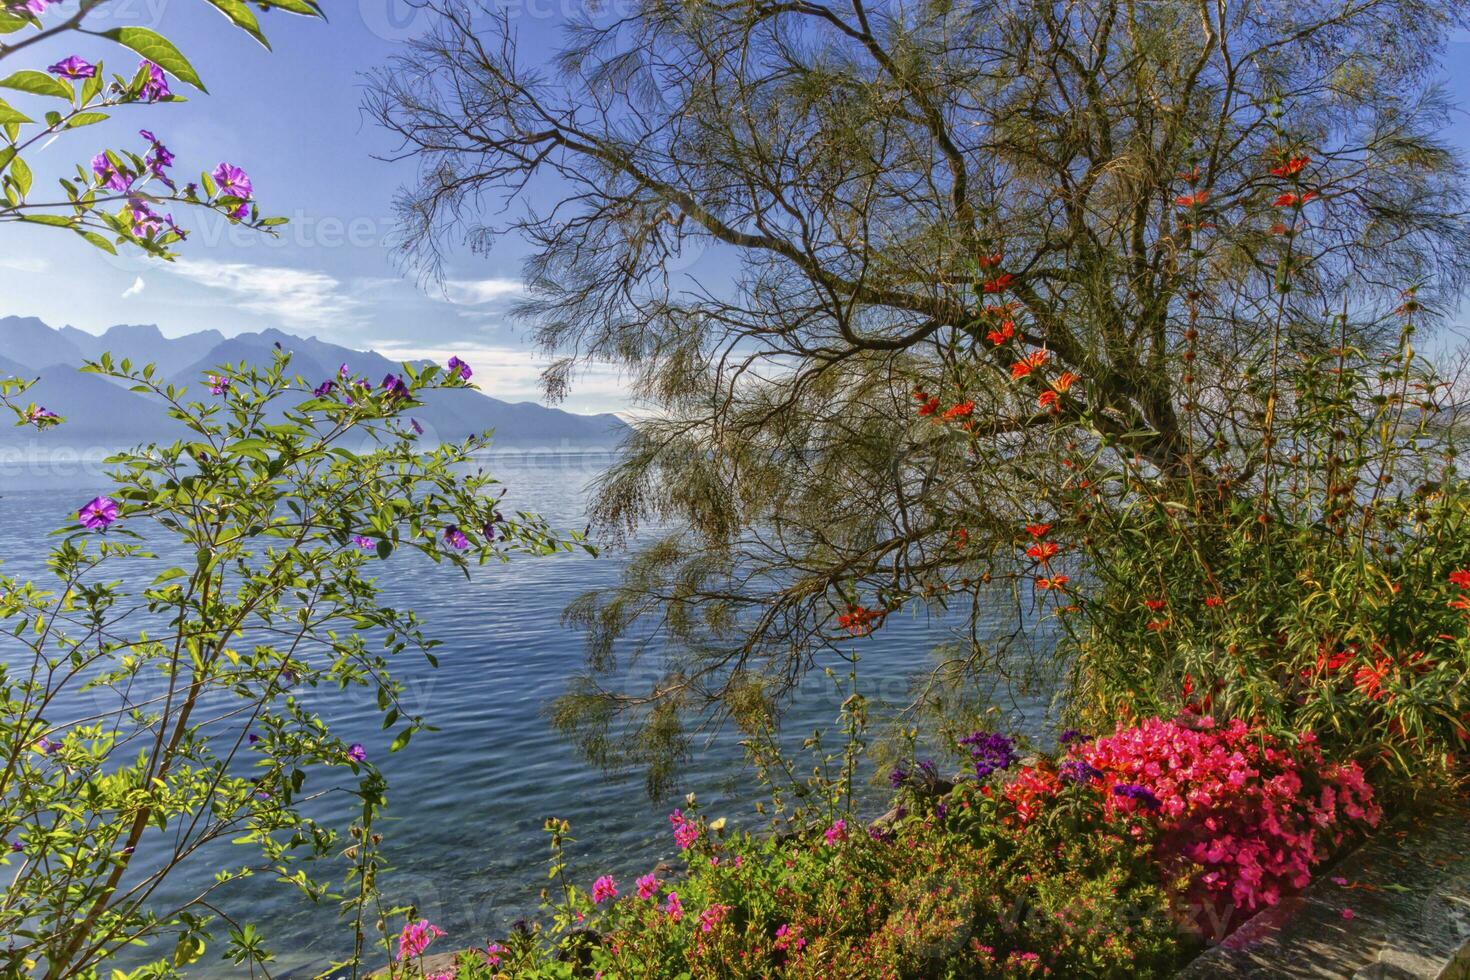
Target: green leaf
x,y
7,153
9,115
294,6
159,50
85,119
21,172
99,241
55,220
401,740
9,23
37,83
241,16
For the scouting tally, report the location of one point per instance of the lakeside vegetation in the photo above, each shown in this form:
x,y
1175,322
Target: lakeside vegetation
x,y
1119,307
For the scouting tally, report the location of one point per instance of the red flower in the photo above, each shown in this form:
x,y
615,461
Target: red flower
x,y
929,407
1043,551
1046,399
920,395
1065,381
1369,680
1029,363
1192,200
1190,176
1157,625
990,261
1460,577
1006,332
860,621
1038,530
1055,582
960,538
959,411
1000,284
1155,604
1289,199
1214,601
1291,167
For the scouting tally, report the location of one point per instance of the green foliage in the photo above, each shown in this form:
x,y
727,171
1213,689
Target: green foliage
x,y
249,550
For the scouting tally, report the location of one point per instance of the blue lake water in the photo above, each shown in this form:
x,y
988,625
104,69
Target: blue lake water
x,y
466,803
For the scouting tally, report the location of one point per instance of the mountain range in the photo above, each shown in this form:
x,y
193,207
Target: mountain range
x,y
103,415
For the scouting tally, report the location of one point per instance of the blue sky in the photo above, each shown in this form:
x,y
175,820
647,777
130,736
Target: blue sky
x,y
292,119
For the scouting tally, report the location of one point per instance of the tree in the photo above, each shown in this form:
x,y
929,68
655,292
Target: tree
x,y
1094,230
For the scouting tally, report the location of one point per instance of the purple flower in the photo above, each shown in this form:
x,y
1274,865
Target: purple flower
x,y
73,67
489,531
1079,771
252,738
37,6
111,175
159,157
155,88
98,513
418,430
455,538
603,889
324,389
39,413
941,809
145,222
458,367
356,752
898,777
882,835
364,542
233,182
1141,794
1071,735
17,846
990,751
47,747
394,385
218,384
342,372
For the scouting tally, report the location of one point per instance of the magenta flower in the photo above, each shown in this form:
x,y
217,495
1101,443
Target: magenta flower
x,y
604,888
674,908
492,954
37,414
234,182
37,6
460,368
686,832
455,538
218,384
73,67
145,222
155,87
415,938
364,542
712,917
836,833
111,175
159,157
648,887
98,513
356,752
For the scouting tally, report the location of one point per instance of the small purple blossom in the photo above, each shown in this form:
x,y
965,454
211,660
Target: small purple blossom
x,y
37,414
38,6
219,384
252,738
17,846
418,430
1141,794
1071,735
324,389
98,513
603,889
882,835
155,86
111,175
46,746
1078,771
898,777
394,386
460,368
159,157
991,752
455,538
488,530
73,67
364,542
356,752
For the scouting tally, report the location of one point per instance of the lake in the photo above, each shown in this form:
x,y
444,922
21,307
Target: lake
x,y
466,803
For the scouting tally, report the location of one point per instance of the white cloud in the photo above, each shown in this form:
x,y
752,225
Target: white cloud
x,y
514,374
473,292
137,287
32,266
290,296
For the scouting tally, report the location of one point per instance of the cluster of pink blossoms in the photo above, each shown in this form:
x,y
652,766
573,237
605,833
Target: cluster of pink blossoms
x,y
686,832
1231,801
415,938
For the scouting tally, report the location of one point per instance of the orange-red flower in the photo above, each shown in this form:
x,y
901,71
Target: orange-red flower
x,y
1157,625
1065,381
1047,399
929,407
1190,176
960,538
860,621
1029,363
1038,530
1192,200
1291,167
1000,284
1055,582
1214,601
1043,551
1155,604
1290,199
990,261
1006,332
1460,577
1370,680
959,411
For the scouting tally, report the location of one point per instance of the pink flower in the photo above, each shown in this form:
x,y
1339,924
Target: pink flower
x,y
492,953
648,887
603,889
415,938
712,917
673,908
836,833
1349,914
686,832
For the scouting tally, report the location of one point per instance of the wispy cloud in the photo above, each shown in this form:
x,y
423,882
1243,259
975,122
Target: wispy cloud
x,y
473,292
290,296
514,374
137,287
33,266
